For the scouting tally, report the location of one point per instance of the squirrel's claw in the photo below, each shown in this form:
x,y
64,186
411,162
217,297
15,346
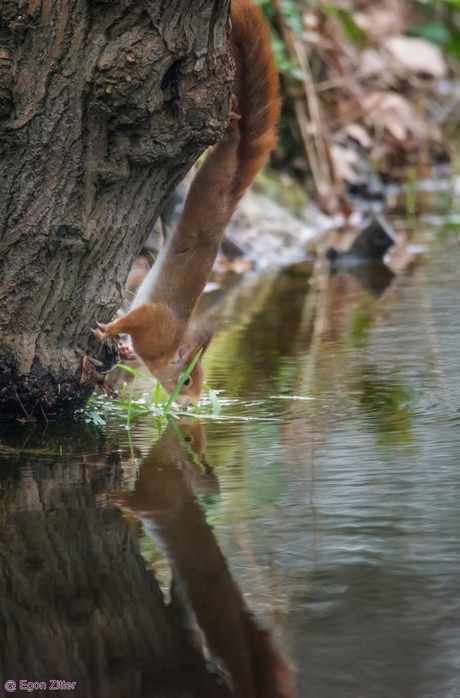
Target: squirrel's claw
x,y
98,333
233,122
233,114
101,332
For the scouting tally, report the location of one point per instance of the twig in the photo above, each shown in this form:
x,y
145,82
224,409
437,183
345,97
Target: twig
x,y
29,417
340,81
313,134
43,413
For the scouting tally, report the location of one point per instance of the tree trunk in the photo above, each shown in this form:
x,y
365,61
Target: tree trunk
x,y
104,105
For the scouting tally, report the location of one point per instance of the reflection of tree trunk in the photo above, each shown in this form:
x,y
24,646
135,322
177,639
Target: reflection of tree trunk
x,y
103,107
78,604
170,513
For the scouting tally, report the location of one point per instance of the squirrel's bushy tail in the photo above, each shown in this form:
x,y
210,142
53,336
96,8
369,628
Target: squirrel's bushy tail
x,y
257,91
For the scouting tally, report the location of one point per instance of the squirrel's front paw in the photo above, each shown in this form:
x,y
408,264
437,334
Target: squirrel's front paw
x,y
102,332
126,352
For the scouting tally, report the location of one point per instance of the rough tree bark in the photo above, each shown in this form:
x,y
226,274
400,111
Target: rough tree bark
x,y
104,105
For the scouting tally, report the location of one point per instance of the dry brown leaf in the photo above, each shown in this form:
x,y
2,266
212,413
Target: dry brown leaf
x,y
381,22
373,62
310,20
238,266
358,133
394,114
380,151
412,55
343,160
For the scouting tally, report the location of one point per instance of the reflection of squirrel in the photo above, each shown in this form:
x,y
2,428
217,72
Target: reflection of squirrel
x,y
159,320
164,500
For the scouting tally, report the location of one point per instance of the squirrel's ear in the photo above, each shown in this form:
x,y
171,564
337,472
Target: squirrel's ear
x,y
204,338
194,342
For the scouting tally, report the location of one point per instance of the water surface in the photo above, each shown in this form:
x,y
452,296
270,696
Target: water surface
x,y
320,505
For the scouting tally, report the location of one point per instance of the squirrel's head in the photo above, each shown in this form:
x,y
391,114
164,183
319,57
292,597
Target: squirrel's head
x,y
170,375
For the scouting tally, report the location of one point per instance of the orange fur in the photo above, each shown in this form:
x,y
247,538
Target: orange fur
x,y
159,322
257,91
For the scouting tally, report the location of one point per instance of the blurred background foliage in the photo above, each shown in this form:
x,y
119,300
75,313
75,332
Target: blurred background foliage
x,y
367,86
437,21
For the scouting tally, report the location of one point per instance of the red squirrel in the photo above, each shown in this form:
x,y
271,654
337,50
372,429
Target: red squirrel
x,y
159,319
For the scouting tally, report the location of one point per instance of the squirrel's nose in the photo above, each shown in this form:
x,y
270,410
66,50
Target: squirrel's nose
x,y
184,400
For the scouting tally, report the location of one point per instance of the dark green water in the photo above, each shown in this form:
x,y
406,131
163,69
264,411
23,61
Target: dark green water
x,y
322,504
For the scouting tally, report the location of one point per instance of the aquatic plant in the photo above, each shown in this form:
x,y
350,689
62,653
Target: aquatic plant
x,y
155,402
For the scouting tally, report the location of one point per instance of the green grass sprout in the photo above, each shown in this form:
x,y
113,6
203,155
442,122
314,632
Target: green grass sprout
x,y
157,394
152,403
197,408
215,404
128,419
136,373
176,390
130,405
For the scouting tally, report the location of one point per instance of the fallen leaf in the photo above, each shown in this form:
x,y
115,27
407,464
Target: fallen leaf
x,y
393,113
373,62
343,160
416,56
358,133
382,21
310,20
